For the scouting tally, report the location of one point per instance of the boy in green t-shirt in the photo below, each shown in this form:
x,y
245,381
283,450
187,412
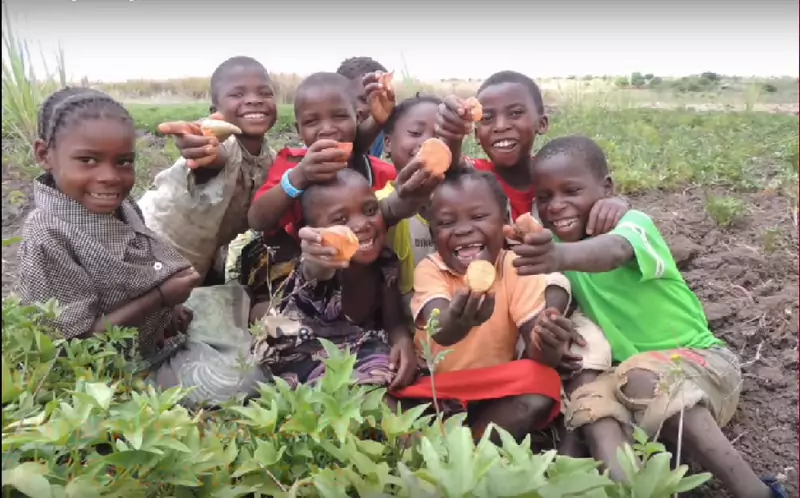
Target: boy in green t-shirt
x,y
626,281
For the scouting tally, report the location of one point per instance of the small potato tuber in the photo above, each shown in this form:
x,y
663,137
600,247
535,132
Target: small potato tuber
x,y
526,224
220,129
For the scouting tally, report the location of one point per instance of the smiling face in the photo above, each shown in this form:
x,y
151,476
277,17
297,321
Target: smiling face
x,y
510,123
410,130
92,161
566,189
466,222
246,98
325,112
349,201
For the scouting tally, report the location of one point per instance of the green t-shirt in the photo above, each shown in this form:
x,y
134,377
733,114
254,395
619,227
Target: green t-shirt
x,y
644,305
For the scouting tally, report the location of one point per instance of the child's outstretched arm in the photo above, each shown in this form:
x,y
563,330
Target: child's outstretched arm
x,y
320,164
412,192
539,254
380,95
453,123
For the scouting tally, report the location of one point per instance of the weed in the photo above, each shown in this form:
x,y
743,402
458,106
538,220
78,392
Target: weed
x,y
724,210
772,239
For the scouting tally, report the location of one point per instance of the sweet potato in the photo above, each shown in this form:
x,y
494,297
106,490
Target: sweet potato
x,y
220,129
346,147
526,224
435,155
342,239
474,109
380,105
179,128
481,275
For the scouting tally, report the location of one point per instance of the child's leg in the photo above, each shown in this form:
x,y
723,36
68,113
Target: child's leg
x,y
570,441
703,440
596,355
518,415
702,386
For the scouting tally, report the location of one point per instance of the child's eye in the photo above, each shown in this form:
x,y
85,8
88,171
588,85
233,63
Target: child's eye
x,y
573,190
487,118
479,216
126,163
415,134
517,113
90,161
267,95
370,210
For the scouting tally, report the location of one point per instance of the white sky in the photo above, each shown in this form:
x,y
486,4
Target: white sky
x,y
153,39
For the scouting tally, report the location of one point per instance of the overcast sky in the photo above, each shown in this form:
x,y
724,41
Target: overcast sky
x,y
153,39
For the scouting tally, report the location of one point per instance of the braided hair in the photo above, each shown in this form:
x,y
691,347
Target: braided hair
x,y
71,104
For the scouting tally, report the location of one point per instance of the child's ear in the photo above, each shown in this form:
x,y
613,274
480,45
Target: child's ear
x,y
212,109
544,125
608,186
387,146
41,153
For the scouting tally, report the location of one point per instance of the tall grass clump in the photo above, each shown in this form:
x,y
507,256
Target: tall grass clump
x,y
23,89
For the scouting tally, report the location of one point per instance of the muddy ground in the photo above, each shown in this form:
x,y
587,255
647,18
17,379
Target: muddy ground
x,y
747,278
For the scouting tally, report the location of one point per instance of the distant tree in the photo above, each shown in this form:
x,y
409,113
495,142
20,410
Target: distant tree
x,y
638,80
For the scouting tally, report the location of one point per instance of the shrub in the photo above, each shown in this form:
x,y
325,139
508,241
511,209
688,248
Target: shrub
x,y
78,422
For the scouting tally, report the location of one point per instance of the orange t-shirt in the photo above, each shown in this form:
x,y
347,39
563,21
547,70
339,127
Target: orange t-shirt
x,y
518,299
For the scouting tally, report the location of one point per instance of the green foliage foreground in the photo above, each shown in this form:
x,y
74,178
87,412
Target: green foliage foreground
x,y
78,423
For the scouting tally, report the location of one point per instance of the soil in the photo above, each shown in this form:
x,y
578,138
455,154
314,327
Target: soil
x,y
747,278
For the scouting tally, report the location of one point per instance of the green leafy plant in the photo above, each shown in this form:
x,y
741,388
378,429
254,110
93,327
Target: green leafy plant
x,y
724,210
78,422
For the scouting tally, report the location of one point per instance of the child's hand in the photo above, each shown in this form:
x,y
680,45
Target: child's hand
x,y
453,122
551,338
321,163
605,215
380,95
403,362
198,149
177,288
314,253
416,181
469,309
538,254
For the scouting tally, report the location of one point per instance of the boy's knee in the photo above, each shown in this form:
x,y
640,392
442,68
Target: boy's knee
x,y
534,409
639,384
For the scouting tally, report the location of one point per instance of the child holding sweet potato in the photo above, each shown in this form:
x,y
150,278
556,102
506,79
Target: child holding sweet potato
x,y
513,115
201,209
672,377
325,109
344,290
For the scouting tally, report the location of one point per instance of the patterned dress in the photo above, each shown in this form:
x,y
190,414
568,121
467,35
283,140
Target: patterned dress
x,y
313,310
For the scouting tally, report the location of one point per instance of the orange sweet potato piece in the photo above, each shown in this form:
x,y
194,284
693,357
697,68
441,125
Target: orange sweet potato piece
x,y
346,147
342,239
481,275
435,155
474,109
527,224
179,128
385,79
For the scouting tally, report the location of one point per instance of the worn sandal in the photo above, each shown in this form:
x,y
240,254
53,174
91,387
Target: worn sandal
x,y
777,488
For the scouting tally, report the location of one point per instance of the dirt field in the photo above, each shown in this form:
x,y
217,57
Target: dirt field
x,y
746,275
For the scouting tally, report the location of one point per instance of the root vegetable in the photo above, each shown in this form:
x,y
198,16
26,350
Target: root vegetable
x,y
474,109
481,275
435,155
342,239
346,147
526,224
220,129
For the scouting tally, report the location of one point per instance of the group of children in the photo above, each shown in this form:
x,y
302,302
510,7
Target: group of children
x,y
591,310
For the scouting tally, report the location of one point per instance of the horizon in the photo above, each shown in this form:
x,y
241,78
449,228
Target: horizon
x,y
160,39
